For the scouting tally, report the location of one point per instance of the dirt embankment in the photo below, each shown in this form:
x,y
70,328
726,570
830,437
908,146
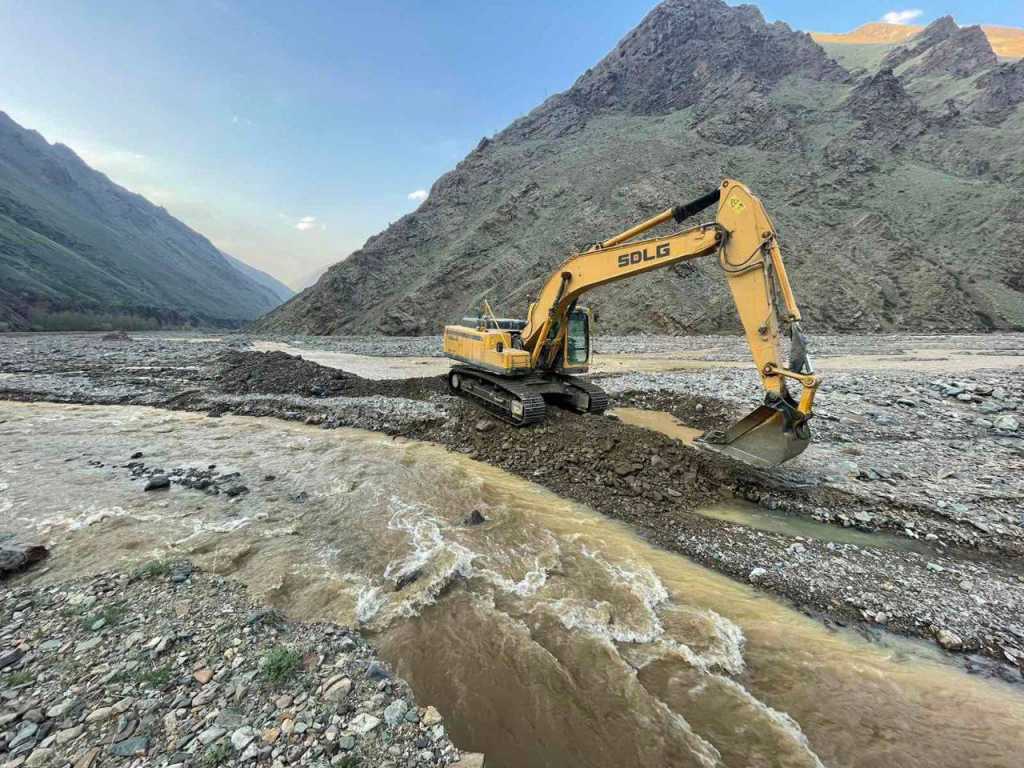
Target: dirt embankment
x,y
278,373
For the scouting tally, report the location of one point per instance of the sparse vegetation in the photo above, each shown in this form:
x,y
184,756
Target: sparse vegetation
x,y
157,677
152,569
110,615
91,321
280,664
269,617
217,754
15,679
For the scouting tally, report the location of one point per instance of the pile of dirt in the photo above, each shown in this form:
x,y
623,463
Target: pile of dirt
x,y
278,373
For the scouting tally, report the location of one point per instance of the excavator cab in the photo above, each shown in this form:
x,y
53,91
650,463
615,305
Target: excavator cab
x,y
576,352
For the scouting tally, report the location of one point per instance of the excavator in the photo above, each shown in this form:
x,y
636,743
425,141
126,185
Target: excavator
x,y
512,367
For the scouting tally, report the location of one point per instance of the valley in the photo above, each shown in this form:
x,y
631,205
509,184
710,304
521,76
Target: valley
x,y
381,502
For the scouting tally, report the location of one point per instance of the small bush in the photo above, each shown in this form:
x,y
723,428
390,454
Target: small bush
x,y
155,678
217,754
111,615
18,678
280,664
153,569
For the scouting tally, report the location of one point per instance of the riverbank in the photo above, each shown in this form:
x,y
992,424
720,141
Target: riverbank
x,y
913,439
169,666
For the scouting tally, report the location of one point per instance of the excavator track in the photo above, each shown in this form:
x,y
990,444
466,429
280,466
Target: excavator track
x,y
513,401
597,398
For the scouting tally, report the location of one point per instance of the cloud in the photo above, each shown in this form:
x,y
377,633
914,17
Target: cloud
x,y
902,17
110,160
306,223
418,196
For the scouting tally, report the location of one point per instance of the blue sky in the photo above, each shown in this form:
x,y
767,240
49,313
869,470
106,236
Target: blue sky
x,y
290,132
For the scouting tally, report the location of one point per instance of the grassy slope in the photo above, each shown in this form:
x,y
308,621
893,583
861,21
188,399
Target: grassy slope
x,y
71,240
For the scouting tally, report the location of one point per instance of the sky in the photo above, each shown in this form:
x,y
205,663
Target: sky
x,y
289,132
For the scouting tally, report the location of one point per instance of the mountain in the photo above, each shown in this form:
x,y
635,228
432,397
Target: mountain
x,y
872,33
897,186
1007,42
78,251
310,278
281,291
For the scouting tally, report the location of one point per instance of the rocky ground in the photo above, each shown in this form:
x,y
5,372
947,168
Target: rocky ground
x,y
919,438
168,666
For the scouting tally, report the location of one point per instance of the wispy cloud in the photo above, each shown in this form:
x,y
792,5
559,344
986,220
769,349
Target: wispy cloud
x,y
307,223
902,17
418,196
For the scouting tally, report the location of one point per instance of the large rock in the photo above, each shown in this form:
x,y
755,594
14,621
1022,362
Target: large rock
x,y
944,48
881,99
394,713
949,640
16,557
1006,423
363,723
999,92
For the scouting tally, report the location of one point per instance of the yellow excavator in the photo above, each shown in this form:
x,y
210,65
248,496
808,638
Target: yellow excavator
x,y
512,366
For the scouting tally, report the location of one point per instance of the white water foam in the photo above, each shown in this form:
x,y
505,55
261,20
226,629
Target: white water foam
x,y
781,720
639,581
369,601
725,652
89,517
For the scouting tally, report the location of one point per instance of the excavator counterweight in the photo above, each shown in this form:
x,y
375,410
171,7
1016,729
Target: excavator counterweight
x,y
512,367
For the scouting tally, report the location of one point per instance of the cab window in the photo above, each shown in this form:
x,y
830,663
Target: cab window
x,y
577,341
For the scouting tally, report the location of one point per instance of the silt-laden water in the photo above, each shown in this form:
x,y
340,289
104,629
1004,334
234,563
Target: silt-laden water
x,y
548,635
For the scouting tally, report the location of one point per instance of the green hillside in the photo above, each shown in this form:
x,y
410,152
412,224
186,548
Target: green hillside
x,y
77,250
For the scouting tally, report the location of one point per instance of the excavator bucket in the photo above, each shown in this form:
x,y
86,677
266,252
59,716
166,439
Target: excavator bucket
x,y
762,438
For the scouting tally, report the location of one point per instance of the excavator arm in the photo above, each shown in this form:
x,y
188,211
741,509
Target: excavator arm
x,y
745,239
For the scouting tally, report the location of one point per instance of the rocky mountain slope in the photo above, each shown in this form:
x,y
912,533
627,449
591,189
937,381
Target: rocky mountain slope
x,y
77,250
897,185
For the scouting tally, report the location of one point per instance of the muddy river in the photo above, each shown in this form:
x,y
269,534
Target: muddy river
x,y
548,635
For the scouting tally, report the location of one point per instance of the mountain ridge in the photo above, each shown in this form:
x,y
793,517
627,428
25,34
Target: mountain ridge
x,y
1007,42
281,291
78,249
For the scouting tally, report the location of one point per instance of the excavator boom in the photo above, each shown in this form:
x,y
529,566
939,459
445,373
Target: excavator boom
x,y
546,349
